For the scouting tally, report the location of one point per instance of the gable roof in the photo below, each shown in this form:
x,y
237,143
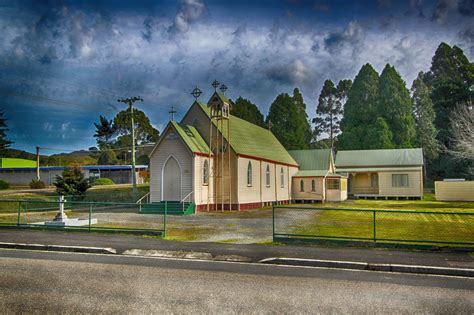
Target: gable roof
x,y
379,158
312,159
190,136
251,140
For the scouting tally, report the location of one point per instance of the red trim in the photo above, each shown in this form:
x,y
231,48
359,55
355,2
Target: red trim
x,y
265,160
243,206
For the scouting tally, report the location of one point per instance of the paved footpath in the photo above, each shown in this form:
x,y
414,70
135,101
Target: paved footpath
x,y
252,252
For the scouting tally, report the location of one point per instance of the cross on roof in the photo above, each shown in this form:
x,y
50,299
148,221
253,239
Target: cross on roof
x,y
172,112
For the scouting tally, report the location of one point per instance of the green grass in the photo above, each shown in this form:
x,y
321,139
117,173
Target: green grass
x,y
410,226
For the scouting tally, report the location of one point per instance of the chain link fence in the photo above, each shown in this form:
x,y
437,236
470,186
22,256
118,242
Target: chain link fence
x,y
83,215
392,226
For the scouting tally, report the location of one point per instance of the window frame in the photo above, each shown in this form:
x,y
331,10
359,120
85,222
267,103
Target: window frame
x,y
329,181
301,185
249,174
282,178
267,176
205,173
400,182
313,185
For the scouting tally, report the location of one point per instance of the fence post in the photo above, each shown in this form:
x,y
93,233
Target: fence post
x,y
273,223
19,213
26,212
375,226
90,214
164,219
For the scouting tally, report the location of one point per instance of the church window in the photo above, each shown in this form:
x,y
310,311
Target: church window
x,y
205,173
282,178
267,176
313,185
249,174
301,185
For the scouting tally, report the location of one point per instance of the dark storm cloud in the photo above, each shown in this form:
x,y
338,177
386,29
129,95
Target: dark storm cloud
x,y
352,34
466,7
442,9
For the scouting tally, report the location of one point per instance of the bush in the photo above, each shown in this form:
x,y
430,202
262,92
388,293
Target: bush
x,y
102,181
4,184
37,184
72,182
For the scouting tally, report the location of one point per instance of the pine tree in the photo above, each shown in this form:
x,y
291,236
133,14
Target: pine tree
x,y
72,182
4,142
360,111
302,117
105,130
248,111
395,106
424,118
288,122
380,135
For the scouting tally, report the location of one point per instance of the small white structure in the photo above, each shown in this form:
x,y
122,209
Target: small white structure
x,y
61,218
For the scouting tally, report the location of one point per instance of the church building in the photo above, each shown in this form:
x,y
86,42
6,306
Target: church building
x,y
218,161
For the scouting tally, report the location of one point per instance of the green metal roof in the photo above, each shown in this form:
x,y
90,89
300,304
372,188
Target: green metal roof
x,y
371,158
191,137
377,169
252,140
311,173
312,159
16,163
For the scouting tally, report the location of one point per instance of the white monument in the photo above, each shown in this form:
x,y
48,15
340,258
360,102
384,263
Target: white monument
x,y
61,218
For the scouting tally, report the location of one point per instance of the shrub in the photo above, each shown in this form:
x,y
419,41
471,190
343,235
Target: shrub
x,y
102,181
72,182
4,184
37,184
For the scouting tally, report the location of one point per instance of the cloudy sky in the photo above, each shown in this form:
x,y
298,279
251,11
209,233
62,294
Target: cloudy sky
x,y
62,63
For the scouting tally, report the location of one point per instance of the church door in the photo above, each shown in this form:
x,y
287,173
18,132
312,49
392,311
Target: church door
x,y
172,180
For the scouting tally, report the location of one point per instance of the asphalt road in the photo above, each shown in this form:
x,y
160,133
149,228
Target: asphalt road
x,y
83,283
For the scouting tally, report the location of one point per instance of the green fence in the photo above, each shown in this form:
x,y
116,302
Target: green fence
x,y
380,226
81,215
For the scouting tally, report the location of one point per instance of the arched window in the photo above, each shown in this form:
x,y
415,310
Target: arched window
x,y
267,176
301,185
205,173
313,185
282,178
249,174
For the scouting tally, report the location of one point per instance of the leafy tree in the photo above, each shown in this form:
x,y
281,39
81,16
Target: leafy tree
x,y
462,130
329,109
360,111
424,118
144,131
105,130
302,117
107,157
248,111
395,106
289,122
72,182
4,142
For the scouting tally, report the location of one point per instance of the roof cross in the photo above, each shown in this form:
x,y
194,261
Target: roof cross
x,y
172,112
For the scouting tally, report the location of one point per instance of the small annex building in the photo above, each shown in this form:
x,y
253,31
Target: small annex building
x,y
218,161
316,179
388,173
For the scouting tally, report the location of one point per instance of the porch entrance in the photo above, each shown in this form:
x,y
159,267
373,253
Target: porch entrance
x,y
171,180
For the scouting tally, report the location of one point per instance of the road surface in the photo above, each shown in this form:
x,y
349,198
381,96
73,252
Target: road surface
x,y
83,283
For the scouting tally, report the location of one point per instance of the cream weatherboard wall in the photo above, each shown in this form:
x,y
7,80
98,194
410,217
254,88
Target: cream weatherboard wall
x,y
170,147
414,189
454,190
337,194
258,191
202,191
308,193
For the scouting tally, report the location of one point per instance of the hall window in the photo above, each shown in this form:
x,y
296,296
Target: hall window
x,y
205,173
301,185
267,176
333,184
282,178
249,174
313,185
399,180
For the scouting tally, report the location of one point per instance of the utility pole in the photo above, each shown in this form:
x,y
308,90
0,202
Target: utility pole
x,y
129,101
38,163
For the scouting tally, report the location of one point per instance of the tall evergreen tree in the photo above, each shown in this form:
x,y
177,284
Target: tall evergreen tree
x,y
395,106
4,142
288,122
248,111
451,78
424,118
329,109
380,135
302,116
360,111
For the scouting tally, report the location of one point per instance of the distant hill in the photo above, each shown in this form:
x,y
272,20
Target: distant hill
x,y
81,157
